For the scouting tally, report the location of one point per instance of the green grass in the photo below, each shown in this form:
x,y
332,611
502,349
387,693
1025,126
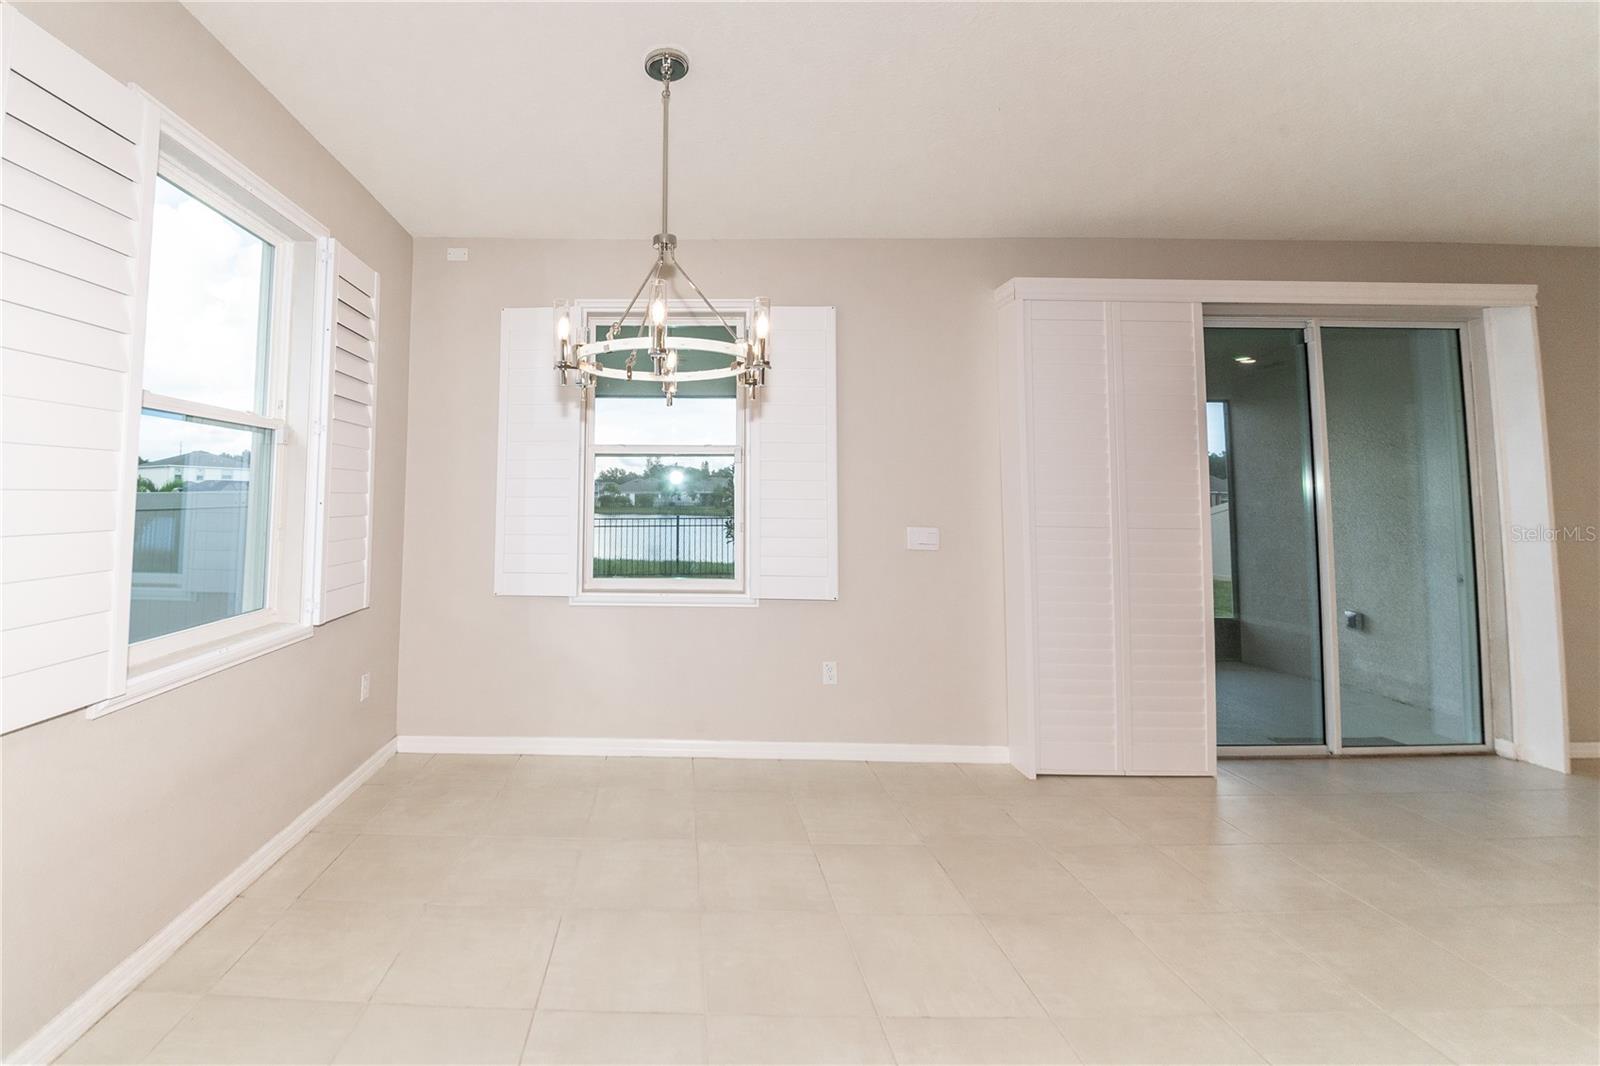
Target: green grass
x,y
1222,593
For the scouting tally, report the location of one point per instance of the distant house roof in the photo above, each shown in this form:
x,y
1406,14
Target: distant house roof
x,y
199,459
1219,484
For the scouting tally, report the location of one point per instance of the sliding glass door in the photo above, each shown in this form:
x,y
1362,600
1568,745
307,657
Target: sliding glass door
x,y
1263,538
1405,579
1343,567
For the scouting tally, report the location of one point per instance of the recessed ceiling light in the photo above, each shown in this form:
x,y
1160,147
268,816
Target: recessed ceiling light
x,y
1245,360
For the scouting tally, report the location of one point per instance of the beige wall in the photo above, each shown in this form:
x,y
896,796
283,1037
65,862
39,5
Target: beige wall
x,y
917,635
113,827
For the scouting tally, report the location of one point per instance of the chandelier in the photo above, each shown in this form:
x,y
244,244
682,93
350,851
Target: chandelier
x,y
651,333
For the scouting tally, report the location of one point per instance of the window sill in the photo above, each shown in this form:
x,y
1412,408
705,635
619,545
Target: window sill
x,y
663,599
175,671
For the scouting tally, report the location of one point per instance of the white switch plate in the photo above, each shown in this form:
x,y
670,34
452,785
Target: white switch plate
x,y
366,687
830,673
922,538
455,255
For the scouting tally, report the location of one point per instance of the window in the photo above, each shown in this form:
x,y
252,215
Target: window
x,y
665,493
223,458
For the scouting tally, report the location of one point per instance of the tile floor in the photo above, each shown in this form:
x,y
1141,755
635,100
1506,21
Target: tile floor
x,y
469,909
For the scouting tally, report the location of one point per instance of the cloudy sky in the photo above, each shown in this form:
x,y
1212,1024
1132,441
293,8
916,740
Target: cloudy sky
x,y
203,330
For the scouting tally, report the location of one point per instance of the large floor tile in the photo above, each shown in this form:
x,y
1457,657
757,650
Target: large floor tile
x,y
737,1040
780,963
1236,964
962,1041
391,869
237,1029
1312,1038
546,811
1505,1035
940,817
924,779
570,1038
513,872
937,966
557,771
323,949
1380,876
401,769
131,1030
1137,880
1282,820
762,877
471,957
199,964
627,813
1012,877
1192,1040
1064,823
887,879
854,819
444,810
426,1036
1087,965
644,961
1258,878
739,775
637,875
817,777
358,809
300,865
747,818
648,773
1173,820
1550,953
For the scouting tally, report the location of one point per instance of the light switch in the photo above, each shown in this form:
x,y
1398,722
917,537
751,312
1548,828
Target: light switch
x,y
922,538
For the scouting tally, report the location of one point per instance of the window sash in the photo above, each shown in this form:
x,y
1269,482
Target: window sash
x,y
272,373
598,314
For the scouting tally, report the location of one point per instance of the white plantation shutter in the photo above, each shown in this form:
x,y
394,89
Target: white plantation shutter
x,y
344,542
79,157
792,471
1069,399
538,490
1164,570
1107,574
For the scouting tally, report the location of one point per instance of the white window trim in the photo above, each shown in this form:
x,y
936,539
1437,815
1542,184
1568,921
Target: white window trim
x,y
164,663
666,592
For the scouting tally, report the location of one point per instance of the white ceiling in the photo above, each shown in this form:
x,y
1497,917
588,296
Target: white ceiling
x,y
1442,122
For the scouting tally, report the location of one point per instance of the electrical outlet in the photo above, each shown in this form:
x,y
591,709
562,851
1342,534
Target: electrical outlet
x,y
455,255
830,673
366,687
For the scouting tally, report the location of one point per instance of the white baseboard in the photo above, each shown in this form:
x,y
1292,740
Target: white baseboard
x,y
1576,749
60,1032
712,749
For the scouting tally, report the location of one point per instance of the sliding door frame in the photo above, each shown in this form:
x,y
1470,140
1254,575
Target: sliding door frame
x,y
1327,602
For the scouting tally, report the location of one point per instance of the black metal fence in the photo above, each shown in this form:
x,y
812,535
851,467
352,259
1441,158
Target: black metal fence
x,y
663,545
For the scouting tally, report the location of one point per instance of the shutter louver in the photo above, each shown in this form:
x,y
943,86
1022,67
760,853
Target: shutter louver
x,y
344,542
79,159
538,494
792,475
